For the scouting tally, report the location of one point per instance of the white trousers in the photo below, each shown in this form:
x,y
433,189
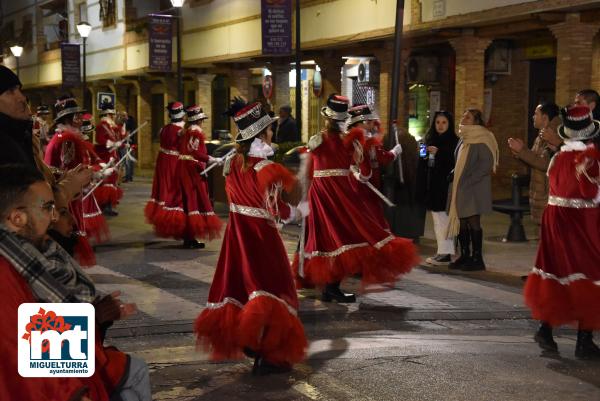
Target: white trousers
x,y
440,226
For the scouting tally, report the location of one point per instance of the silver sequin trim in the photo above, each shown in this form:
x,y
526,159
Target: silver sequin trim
x,y
187,157
90,215
562,280
256,128
169,152
334,172
254,294
337,252
571,202
250,211
383,242
261,164
197,213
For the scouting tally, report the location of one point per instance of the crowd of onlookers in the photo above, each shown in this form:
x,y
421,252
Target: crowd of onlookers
x,y
37,268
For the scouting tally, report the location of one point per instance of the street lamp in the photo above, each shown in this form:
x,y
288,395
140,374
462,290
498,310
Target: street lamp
x,y
177,4
84,30
17,50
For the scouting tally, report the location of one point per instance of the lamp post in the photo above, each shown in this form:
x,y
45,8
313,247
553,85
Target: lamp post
x,y
17,50
178,4
84,30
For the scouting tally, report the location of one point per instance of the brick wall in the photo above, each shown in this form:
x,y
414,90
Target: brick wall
x,y
509,118
596,63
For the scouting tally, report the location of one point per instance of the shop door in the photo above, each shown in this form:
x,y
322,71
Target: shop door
x,y
542,86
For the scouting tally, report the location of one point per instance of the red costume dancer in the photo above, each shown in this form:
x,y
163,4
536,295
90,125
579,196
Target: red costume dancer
x,y
374,156
564,285
108,140
252,305
201,221
68,149
164,210
343,237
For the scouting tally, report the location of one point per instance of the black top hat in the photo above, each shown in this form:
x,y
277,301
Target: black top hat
x,y
176,112
251,119
337,108
43,110
578,123
66,106
195,113
107,107
362,112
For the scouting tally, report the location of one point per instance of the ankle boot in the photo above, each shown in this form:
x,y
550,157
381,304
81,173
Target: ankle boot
x,y
585,347
544,338
332,292
192,244
464,240
476,262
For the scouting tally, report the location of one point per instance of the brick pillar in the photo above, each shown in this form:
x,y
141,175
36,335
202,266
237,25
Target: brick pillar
x,y
385,57
574,56
470,66
596,64
204,99
143,91
331,74
240,83
281,80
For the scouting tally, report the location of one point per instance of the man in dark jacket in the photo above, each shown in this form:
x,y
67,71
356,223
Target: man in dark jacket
x,y
15,122
287,130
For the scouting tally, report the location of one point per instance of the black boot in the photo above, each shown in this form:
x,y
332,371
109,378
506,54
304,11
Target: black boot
x,y
332,292
192,244
585,347
464,240
476,262
544,338
263,367
108,211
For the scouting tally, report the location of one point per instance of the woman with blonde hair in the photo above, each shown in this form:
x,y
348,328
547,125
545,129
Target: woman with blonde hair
x,y
471,192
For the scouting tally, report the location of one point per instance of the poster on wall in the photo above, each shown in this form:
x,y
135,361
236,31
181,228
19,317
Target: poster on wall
x,y
160,42
267,86
276,16
412,105
434,101
70,64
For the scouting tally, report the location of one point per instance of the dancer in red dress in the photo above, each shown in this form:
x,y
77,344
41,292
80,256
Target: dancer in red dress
x,y
66,150
564,285
343,238
108,139
374,156
252,305
200,219
164,210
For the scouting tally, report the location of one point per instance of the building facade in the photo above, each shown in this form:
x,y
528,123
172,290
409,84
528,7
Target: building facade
x,y
502,56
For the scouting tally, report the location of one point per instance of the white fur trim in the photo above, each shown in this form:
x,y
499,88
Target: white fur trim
x,y
570,146
562,280
258,148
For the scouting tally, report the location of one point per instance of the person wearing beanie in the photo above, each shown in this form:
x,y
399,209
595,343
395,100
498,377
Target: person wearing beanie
x,y
17,143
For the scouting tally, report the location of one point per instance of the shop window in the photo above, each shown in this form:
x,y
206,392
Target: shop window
x,y
190,97
108,13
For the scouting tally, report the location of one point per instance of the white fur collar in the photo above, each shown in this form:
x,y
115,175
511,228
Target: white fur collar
x,y
570,146
179,123
258,148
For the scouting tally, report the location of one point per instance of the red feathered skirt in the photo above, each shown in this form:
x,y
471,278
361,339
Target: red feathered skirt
x,y
200,219
164,210
252,301
344,238
564,287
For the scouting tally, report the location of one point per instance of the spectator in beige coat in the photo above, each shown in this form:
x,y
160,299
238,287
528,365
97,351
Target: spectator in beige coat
x,y
538,157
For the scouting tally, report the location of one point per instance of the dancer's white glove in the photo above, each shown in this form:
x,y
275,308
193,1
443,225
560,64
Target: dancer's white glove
x,y
303,208
218,160
359,177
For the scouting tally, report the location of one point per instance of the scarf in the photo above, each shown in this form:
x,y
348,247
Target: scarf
x,y
470,135
55,280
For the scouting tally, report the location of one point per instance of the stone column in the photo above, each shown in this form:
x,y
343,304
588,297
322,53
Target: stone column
x,y
331,74
470,68
143,91
574,56
385,56
281,80
204,99
120,91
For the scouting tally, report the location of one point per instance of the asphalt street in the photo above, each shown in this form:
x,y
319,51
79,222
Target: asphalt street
x,y
434,336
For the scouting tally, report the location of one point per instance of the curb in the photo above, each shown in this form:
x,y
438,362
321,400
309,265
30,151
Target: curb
x,y
490,276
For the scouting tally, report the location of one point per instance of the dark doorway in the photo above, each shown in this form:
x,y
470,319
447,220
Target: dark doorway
x,y
542,86
220,103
